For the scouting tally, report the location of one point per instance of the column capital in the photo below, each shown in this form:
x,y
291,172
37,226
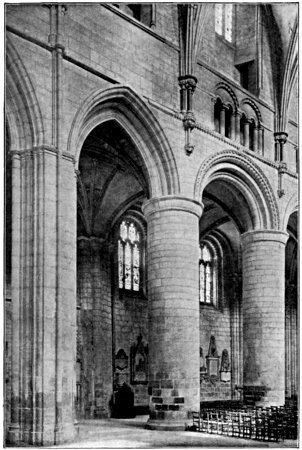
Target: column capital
x,y
281,136
224,106
172,203
187,82
264,235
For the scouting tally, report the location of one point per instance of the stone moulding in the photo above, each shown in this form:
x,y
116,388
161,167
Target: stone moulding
x,y
252,104
239,160
122,104
226,87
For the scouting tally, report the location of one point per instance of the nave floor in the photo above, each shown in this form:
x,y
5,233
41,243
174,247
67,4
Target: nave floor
x,y
130,433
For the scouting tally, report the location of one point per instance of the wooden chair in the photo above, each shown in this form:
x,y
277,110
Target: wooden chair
x,y
196,420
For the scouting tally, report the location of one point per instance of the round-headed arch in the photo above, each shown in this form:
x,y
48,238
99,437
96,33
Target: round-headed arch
x,y
123,105
241,178
291,207
227,95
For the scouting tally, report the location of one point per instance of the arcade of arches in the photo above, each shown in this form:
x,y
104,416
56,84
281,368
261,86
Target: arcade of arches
x,y
151,241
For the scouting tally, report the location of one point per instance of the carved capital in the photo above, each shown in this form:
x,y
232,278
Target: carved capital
x,y
281,137
189,149
282,168
189,121
187,82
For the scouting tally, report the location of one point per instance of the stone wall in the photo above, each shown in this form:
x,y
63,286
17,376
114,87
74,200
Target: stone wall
x,y
94,329
130,322
57,59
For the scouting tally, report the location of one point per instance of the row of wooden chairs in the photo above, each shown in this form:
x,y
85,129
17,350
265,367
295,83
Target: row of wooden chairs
x,y
260,423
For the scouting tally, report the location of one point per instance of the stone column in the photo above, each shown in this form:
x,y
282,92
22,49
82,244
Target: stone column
x,y
233,126
255,139
173,252
260,139
13,435
246,134
43,296
236,335
291,352
280,141
222,120
237,126
263,307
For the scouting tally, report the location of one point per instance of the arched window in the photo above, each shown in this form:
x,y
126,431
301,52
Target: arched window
x,y
217,109
224,20
243,121
222,118
207,276
228,116
252,143
129,257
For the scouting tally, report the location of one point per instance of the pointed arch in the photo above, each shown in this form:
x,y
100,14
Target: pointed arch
x,y
23,113
123,105
201,17
290,77
240,173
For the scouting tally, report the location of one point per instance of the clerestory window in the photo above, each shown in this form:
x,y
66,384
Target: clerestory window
x,y
140,12
224,20
129,257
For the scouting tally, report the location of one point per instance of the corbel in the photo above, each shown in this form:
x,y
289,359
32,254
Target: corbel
x,y
280,140
187,84
281,170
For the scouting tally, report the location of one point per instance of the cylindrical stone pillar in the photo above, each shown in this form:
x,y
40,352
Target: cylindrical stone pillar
x,y
263,309
173,252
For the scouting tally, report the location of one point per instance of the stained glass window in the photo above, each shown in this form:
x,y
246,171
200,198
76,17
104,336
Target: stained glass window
x,y
207,277
129,257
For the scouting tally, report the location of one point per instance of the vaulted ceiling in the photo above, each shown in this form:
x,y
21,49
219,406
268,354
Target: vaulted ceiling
x,y
110,179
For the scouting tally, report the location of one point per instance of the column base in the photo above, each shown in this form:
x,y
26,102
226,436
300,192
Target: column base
x,y
166,425
67,433
13,434
14,437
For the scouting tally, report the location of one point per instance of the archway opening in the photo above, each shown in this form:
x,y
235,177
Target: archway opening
x,y
226,215
291,308
112,315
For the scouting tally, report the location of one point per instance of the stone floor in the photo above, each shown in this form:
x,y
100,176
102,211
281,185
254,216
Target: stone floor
x,y
130,433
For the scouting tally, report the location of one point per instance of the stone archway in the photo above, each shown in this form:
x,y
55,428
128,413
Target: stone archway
x,y
116,131
129,110
291,309
242,195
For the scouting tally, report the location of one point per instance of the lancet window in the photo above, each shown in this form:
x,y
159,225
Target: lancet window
x,y
224,20
207,276
129,257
